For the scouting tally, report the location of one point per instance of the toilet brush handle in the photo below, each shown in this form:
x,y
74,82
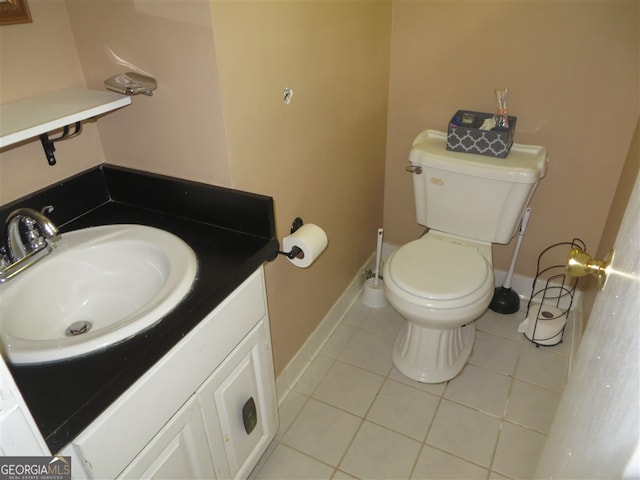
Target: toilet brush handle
x,y
523,227
525,220
378,253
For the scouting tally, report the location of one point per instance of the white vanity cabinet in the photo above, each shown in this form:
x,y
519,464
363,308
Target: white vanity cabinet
x,y
207,409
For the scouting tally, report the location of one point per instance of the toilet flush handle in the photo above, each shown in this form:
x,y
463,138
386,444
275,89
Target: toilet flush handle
x,y
414,169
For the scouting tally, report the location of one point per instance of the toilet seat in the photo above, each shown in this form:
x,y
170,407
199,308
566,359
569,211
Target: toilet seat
x,y
438,272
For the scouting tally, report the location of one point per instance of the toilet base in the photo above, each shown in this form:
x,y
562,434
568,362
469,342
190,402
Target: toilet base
x,y
431,355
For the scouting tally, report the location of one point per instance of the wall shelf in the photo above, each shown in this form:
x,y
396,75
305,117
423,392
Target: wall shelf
x,y
35,116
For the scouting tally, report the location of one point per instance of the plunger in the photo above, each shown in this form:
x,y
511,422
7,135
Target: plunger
x,y
505,299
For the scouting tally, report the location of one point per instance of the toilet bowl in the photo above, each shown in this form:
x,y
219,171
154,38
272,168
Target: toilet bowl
x,y
440,284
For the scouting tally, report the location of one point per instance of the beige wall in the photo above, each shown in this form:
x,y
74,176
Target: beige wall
x,y
618,206
178,131
173,41
31,63
572,70
322,156
218,114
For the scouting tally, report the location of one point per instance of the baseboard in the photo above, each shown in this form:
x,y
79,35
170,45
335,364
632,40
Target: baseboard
x,y
301,360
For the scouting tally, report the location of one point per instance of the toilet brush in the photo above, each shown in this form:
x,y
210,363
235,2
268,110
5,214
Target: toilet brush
x,y
373,295
506,300
378,255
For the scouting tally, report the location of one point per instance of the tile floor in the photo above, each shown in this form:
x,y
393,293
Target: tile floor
x,y
353,415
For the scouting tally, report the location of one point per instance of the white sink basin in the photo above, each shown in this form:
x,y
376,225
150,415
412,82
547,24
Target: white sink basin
x,y
99,286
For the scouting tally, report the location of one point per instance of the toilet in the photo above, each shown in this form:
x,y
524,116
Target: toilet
x,y
443,281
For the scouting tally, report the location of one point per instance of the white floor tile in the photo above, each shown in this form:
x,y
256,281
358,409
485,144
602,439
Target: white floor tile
x,y
495,353
384,321
518,451
339,475
505,326
322,431
532,406
404,409
433,388
380,453
356,313
349,388
543,367
434,464
369,351
464,432
496,476
314,374
338,340
479,388
289,409
285,463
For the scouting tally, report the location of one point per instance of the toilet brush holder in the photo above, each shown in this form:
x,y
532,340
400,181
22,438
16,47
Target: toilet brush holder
x,y
373,295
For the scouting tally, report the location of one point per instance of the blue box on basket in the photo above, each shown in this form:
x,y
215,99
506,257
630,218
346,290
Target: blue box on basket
x,y
464,135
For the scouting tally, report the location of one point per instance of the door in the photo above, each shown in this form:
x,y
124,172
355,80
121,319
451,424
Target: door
x,y
595,433
178,451
239,406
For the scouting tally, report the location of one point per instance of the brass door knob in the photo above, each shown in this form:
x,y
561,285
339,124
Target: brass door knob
x,y
580,264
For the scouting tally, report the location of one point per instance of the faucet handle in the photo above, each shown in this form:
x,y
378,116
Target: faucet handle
x,y
36,241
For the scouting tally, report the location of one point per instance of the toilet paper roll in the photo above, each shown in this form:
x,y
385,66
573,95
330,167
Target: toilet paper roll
x,y
547,329
310,239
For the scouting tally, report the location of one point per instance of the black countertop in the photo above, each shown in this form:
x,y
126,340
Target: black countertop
x,y
232,234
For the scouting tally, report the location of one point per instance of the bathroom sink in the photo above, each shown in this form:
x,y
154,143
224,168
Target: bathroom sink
x,y
98,287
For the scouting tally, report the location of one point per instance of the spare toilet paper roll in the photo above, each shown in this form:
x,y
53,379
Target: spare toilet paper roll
x,y
546,328
310,239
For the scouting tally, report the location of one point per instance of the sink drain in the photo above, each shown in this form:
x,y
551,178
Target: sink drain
x,y
78,328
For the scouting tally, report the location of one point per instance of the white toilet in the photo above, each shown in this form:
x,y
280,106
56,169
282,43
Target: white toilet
x,y
444,281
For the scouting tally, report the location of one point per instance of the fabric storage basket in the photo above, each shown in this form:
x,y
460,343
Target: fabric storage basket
x,y
464,135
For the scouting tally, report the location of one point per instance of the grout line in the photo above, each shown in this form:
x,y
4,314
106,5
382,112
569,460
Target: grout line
x,y
426,435
344,454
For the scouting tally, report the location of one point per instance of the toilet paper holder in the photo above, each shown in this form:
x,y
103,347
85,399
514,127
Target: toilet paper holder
x,y
551,298
295,251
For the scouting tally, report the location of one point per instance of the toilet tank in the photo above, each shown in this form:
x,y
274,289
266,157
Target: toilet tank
x,y
473,196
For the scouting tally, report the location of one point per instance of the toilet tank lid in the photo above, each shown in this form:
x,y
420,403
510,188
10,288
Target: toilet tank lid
x,y
523,164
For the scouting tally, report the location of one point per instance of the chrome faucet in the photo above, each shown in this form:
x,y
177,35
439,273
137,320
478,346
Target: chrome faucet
x,y
28,244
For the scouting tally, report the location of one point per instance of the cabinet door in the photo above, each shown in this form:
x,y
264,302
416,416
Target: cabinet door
x,y
19,435
239,406
178,451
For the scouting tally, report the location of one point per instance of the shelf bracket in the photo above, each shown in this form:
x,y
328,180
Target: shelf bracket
x,y
48,143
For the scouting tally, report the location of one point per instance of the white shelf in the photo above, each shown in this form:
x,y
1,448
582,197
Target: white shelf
x,y
28,118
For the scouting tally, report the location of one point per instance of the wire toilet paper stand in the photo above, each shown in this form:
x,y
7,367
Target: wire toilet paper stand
x,y
551,297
